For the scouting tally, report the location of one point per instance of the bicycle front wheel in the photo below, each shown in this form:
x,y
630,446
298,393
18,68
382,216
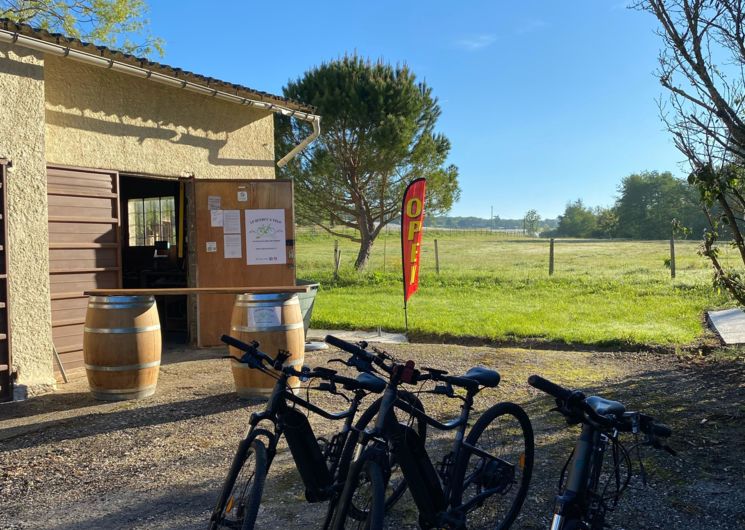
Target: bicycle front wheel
x,y
365,490
239,501
495,467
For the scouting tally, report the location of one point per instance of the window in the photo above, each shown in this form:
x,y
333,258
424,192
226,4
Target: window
x,y
150,220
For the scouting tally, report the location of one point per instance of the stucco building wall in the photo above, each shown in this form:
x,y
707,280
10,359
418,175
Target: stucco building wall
x,y
22,141
57,111
97,118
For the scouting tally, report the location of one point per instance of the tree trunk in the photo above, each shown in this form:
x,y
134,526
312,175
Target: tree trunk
x,y
364,254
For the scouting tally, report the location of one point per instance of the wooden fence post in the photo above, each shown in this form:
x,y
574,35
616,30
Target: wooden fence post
x,y
437,258
672,257
337,259
551,258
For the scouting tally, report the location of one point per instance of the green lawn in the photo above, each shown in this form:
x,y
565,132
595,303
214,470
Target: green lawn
x,y
602,293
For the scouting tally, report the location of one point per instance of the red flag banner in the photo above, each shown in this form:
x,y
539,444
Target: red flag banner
x,y
412,221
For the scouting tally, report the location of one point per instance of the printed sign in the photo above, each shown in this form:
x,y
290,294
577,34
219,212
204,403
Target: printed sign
x,y
232,244
214,202
216,218
232,221
265,237
242,195
264,317
412,220
211,246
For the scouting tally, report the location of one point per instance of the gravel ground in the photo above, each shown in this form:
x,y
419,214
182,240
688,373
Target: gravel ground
x,y
69,461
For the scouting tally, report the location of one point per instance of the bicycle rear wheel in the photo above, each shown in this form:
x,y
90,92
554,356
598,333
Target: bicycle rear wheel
x,y
239,501
365,490
496,474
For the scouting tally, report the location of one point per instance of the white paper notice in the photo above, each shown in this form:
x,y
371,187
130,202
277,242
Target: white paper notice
x,y
232,245
216,217
265,237
262,317
214,202
242,195
211,246
232,221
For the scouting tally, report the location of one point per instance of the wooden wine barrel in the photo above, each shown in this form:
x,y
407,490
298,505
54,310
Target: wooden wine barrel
x,y
122,346
276,323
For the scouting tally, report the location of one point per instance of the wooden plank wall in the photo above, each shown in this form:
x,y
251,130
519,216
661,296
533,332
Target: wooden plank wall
x,y
84,250
213,270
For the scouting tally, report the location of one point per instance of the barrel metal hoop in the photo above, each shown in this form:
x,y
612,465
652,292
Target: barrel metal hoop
x,y
250,303
121,306
122,300
123,368
123,390
142,329
285,327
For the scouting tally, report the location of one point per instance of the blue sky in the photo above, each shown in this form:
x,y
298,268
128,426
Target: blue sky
x,y
545,101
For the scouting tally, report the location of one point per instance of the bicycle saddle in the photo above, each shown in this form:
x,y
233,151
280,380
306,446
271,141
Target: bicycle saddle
x,y
605,406
370,383
483,376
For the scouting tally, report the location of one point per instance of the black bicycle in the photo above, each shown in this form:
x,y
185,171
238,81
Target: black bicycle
x,y
322,464
585,494
482,481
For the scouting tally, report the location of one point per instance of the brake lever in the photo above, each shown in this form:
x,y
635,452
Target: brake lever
x,y
342,361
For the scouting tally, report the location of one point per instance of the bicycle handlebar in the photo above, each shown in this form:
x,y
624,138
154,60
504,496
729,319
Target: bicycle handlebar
x,y
251,349
358,352
349,347
570,402
552,389
259,358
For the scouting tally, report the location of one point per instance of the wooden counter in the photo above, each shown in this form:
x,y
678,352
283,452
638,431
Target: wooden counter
x,y
198,290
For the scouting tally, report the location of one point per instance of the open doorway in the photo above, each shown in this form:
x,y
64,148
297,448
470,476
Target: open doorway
x,y
153,247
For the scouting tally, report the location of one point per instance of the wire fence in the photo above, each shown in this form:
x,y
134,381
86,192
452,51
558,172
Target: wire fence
x,y
455,252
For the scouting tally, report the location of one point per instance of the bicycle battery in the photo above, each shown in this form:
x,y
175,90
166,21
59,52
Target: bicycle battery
x,y
307,455
421,476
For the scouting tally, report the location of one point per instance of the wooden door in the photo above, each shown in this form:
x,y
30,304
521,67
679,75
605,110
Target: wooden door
x,y
214,269
84,250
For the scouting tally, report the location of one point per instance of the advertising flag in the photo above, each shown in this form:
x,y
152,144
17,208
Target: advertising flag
x,y
412,220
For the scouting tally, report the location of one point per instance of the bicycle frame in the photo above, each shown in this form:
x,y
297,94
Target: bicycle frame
x,y
277,408
583,477
452,511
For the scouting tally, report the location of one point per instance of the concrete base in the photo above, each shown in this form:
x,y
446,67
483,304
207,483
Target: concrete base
x,y
729,324
356,336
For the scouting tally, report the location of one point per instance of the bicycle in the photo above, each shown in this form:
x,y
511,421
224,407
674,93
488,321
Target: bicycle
x,y
322,464
583,501
470,484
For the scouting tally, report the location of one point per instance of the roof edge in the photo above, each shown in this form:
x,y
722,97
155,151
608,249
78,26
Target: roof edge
x,y
178,73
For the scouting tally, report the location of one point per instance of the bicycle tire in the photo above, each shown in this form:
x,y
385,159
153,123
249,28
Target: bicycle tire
x,y
481,471
367,471
242,496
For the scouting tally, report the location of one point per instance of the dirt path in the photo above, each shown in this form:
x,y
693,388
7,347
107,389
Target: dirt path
x,y
71,462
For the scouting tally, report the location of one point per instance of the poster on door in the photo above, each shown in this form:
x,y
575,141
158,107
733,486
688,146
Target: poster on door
x,y
265,237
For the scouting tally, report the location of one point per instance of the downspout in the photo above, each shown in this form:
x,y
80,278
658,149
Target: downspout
x,y
18,39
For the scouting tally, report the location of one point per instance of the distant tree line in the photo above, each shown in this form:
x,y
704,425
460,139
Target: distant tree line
x,y
481,223
650,205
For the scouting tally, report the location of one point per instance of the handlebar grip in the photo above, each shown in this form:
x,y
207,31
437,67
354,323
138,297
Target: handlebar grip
x,y
232,341
544,385
252,348
348,347
661,430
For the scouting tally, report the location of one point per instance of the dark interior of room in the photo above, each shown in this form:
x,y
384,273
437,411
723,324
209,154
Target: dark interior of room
x,y
150,224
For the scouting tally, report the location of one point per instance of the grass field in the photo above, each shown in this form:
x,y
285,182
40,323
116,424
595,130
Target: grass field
x,y
609,293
